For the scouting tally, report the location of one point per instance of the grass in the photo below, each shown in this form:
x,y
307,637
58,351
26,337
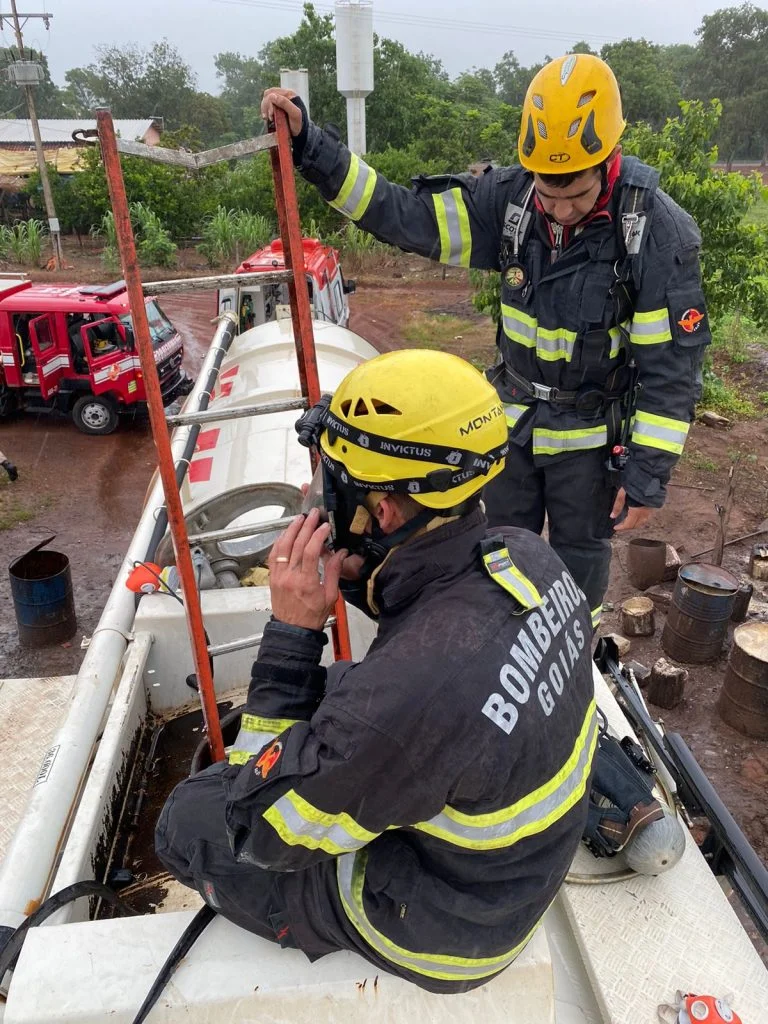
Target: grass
x,y
23,243
229,236
721,397
13,508
698,461
734,334
429,330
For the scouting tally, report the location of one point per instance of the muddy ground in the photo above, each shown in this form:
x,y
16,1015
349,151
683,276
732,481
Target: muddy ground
x,y
89,491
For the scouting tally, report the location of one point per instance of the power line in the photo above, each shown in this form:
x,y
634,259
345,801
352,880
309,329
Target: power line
x,y
422,21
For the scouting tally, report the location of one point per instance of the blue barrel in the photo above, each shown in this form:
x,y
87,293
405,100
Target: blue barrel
x,y
41,588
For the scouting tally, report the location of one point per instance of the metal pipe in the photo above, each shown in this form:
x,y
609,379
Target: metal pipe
x,y
243,642
218,416
236,532
132,276
192,284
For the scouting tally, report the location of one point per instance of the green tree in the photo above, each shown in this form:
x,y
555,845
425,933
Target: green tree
x,y
729,65
648,89
137,82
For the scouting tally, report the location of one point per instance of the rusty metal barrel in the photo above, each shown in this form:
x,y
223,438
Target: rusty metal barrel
x,y
41,587
743,701
697,621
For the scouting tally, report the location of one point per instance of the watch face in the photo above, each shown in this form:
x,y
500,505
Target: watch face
x,y
699,1010
515,276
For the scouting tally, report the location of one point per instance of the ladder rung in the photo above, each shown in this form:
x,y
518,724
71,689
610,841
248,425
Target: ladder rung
x,y
195,161
244,642
215,416
192,284
236,532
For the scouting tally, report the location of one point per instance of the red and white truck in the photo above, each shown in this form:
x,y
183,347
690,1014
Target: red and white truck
x,y
258,304
71,349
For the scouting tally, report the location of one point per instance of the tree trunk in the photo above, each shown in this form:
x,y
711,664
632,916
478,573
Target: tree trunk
x,y
667,684
637,617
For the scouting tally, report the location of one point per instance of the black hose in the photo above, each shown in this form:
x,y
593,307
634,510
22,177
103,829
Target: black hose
x,y
11,949
189,936
161,523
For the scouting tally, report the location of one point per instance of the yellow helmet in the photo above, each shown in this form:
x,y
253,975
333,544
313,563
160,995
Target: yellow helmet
x,y
572,116
416,422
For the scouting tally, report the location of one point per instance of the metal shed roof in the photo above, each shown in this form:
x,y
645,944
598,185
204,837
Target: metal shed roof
x,y
59,130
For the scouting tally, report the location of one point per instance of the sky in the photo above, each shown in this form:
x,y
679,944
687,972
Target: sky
x,y
461,35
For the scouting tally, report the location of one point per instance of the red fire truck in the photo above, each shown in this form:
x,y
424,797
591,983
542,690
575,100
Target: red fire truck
x,y
71,349
258,304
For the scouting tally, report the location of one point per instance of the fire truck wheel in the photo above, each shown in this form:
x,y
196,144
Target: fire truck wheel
x,y
94,415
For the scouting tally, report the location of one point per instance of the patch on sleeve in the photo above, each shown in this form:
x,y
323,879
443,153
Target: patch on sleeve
x,y
688,316
267,760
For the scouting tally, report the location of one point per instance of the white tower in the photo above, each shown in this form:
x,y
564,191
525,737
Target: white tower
x,y
297,80
354,64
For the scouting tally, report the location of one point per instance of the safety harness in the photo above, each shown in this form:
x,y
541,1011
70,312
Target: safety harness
x,y
617,398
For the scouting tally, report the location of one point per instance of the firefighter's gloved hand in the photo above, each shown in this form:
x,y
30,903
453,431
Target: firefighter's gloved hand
x,y
301,594
10,469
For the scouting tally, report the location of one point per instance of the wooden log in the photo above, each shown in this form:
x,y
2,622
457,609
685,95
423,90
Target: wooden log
x,y
758,562
673,563
637,617
667,684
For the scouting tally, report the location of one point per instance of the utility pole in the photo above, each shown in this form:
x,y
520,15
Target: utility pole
x,y
53,220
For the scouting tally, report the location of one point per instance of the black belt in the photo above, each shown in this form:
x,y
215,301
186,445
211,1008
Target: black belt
x,y
587,397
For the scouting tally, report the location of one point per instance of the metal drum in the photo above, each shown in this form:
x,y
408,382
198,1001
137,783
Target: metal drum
x,y
697,621
41,587
743,701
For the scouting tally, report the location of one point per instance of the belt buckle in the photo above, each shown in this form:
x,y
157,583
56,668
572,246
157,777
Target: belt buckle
x,y
542,392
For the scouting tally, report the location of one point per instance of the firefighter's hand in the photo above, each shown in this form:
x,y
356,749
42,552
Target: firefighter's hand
x,y
300,595
636,515
281,98
10,469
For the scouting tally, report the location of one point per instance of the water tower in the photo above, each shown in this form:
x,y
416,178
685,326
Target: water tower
x,y
297,80
354,64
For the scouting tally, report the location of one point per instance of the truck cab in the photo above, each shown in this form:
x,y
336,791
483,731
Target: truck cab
x,y
71,349
259,304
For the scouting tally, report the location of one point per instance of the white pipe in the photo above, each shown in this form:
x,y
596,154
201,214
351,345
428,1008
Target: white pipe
x,y
356,124
128,710
28,867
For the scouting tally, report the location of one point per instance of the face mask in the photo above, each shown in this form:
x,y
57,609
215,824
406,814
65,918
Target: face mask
x,y
351,522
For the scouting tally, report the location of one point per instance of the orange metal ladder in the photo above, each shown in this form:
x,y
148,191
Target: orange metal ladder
x,y
279,145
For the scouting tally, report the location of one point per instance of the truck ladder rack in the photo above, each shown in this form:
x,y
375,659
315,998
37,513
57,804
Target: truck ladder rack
x,y
185,419
279,145
191,284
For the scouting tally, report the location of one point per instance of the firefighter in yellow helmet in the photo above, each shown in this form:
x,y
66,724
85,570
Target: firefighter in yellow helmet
x,y
603,323
403,807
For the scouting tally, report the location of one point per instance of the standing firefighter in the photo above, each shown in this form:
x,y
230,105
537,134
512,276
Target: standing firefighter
x,y
602,312
422,806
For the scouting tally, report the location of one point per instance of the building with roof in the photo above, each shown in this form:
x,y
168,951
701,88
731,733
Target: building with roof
x,y
17,144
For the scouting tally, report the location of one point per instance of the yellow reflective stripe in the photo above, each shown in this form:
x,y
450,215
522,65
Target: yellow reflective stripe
x,y
355,194
299,823
617,339
453,226
514,413
350,873
662,432
254,723
596,615
533,813
518,326
651,327
503,571
555,344
553,442
255,733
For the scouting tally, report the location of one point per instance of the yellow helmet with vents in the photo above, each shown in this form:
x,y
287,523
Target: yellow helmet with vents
x,y
572,117
416,422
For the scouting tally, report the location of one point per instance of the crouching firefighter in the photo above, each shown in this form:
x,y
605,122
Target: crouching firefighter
x,y
422,806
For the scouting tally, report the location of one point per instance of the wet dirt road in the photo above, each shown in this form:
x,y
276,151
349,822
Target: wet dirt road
x,y
89,492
